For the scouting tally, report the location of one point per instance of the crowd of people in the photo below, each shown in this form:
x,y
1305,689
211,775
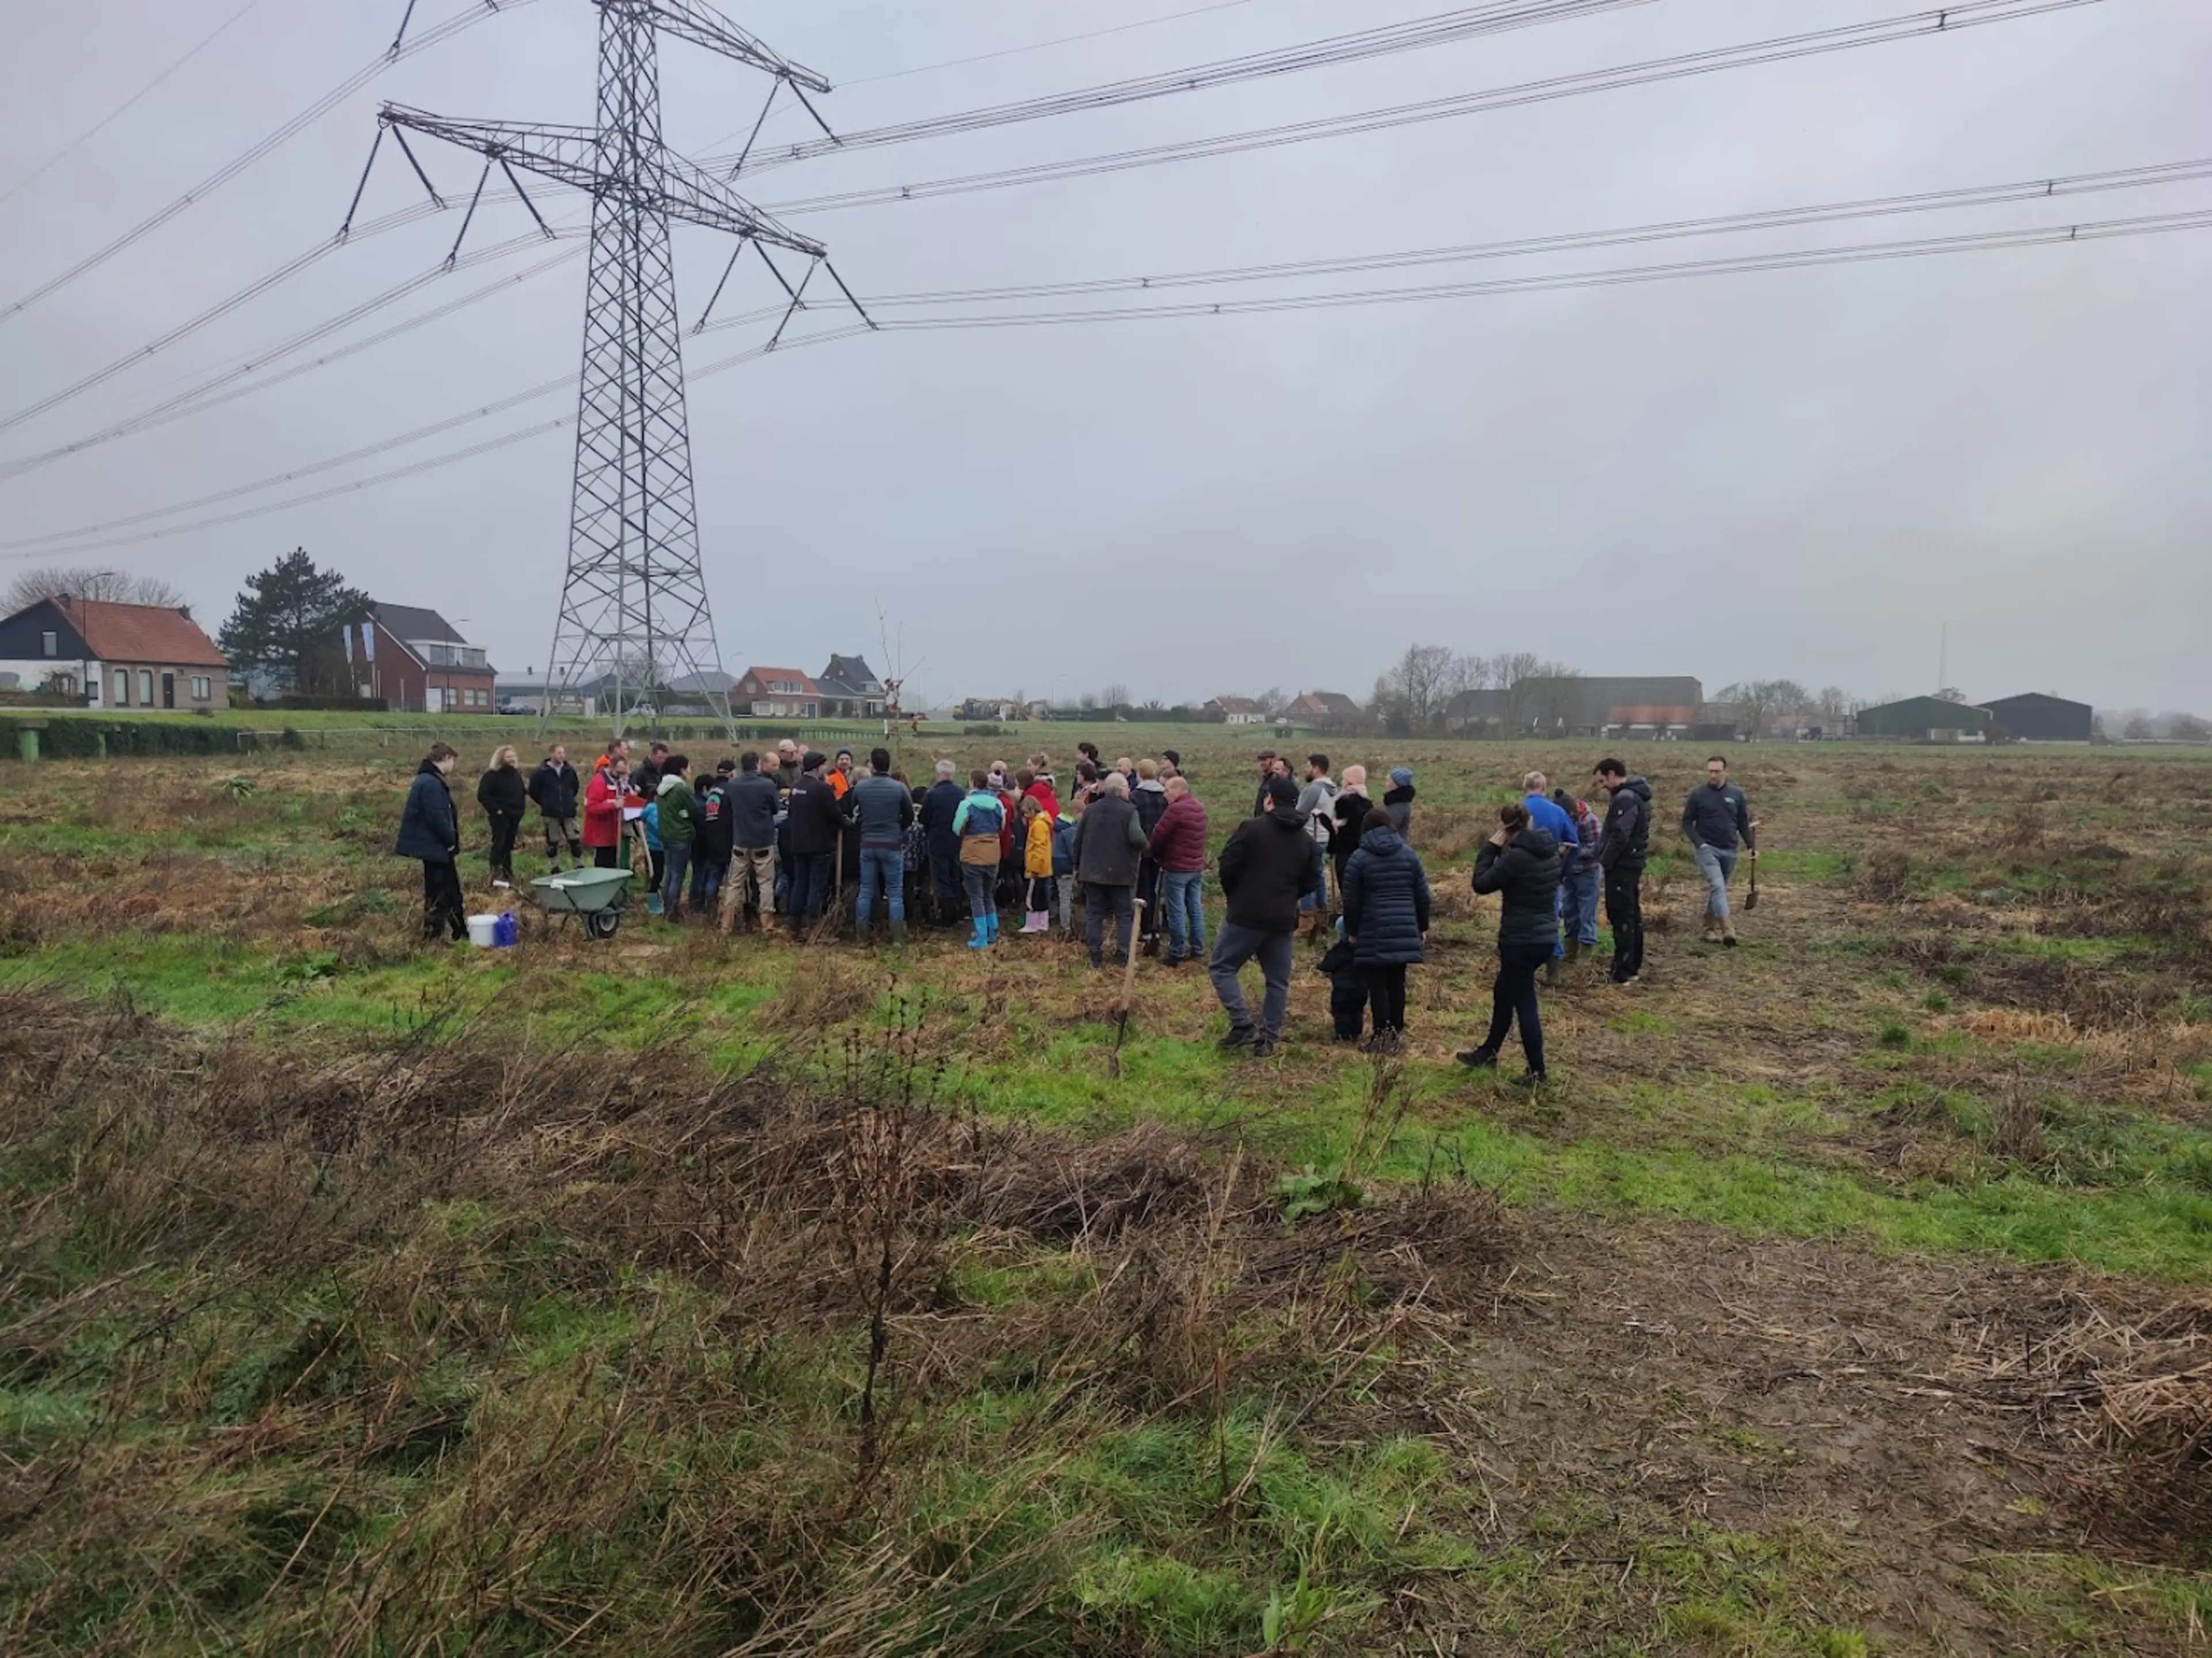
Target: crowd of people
x,y
763,843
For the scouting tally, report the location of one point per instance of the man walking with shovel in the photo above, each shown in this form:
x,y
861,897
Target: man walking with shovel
x,y
1715,820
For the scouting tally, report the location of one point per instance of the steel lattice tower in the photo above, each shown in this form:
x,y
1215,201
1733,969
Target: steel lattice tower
x,y
634,617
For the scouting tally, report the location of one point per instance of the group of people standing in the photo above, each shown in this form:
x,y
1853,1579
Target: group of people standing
x,y
777,843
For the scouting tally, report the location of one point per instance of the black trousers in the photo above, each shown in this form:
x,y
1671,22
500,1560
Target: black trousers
x,y
1623,913
504,826
1514,996
1386,994
443,905
606,858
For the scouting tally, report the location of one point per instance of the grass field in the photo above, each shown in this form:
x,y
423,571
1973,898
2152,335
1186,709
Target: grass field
x,y
1849,1291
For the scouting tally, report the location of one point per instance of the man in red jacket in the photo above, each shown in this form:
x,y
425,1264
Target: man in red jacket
x,y
1177,845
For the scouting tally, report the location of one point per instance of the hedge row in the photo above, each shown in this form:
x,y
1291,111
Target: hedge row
x,y
79,739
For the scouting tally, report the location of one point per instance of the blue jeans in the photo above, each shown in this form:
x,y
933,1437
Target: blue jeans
x,y
883,869
810,886
1718,867
1236,945
674,860
706,884
982,879
1180,895
1318,898
1578,903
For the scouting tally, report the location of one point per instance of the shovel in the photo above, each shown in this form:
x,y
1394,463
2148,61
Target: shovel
x,y
1750,898
1129,985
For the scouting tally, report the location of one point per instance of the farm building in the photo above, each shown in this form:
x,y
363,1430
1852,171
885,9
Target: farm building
x,y
1236,711
1324,710
1924,720
1590,705
2036,717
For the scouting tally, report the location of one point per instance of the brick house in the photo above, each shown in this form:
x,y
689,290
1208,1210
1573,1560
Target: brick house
x,y
416,662
850,690
117,657
777,694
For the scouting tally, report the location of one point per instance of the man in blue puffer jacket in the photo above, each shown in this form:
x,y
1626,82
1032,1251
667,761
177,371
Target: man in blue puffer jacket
x,y
1385,893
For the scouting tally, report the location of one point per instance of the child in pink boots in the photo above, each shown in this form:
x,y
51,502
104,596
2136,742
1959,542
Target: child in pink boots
x,y
1036,866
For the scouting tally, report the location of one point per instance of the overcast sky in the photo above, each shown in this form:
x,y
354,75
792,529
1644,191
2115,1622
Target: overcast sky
x,y
1797,474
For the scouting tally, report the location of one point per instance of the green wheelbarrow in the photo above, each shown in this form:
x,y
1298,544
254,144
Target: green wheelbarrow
x,y
596,894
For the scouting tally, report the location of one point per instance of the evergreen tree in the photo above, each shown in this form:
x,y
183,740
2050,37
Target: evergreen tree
x,y
286,620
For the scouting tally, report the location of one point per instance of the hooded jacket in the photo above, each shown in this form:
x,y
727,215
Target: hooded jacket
x,y
1399,803
980,828
1625,841
1150,797
1270,862
816,817
679,813
1036,848
1107,841
752,803
554,787
428,828
1526,876
1350,810
1177,844
1063,846
712,843
502,790
1386,900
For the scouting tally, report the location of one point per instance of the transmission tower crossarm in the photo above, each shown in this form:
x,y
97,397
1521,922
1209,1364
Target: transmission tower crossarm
x,y
572,155
703,25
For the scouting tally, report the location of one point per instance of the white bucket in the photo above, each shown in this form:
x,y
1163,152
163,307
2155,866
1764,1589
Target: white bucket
x,y
483,931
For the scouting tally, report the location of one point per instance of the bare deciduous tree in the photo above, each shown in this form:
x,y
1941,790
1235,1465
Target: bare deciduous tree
x,y
102,585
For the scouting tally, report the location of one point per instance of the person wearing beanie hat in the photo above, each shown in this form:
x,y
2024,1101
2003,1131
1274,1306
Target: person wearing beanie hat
x,y
1398,800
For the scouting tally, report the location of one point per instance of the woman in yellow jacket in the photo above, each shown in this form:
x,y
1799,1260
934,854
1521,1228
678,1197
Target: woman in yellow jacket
x,y
1036,864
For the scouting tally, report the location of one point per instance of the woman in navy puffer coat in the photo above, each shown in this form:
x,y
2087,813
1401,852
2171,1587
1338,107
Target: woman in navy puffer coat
x,y
1386,920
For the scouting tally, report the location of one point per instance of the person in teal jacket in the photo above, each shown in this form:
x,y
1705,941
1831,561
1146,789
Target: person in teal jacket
x,y
978,822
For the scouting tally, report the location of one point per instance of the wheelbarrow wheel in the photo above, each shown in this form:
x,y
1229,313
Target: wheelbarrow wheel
x,y
602,923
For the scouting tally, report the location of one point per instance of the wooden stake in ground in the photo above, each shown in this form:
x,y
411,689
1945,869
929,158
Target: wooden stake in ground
x,y
1128,984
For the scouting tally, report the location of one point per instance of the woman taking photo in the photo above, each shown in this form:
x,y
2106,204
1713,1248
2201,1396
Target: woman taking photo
x,y
503,794
1521,863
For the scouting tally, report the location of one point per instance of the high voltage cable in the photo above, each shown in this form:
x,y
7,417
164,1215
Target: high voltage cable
x,y
126,106
211,392
1468,22
429,464
2056,188
1879,32
1786,259
221,308
263,148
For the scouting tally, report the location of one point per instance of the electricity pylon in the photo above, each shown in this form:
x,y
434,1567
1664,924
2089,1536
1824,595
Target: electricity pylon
x,y
633,612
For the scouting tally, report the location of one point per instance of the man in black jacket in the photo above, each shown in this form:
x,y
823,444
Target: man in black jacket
x,y
817,819
938,808
554,791
1109,838
1623,844
1270,863
750,802
1716,819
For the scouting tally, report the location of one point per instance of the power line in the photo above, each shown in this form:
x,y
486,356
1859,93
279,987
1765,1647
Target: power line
x,y
429,464
2089,231
125,107
208,392
260,149
1468,22
1878,31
